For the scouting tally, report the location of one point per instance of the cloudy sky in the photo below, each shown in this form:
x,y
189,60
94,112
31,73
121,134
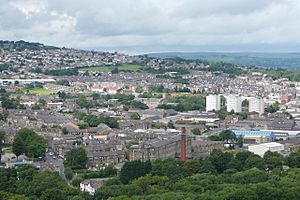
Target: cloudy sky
x,y
136,26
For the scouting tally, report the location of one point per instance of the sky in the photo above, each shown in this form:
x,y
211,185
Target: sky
x,y
142,26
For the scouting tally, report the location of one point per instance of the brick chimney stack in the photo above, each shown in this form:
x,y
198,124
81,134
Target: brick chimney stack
x,y
183,145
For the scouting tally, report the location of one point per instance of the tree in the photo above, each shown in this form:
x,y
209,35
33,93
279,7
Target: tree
x,y
245,104
253,175
134,169
171,124
53,194
293,160
196,131
227,135
96,96
273,160
139,105
62,82
135,116
139,90
221,113
41,182
82,102
115,70
28,142
273,108
241,193
18,146
240,141
69,173
42,102
64,130
2,137
255,161
76,158
220,160
62,95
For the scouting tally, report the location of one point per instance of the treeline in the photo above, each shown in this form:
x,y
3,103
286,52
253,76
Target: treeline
x,y
22,45
223,67
185,103
29,143
27,183
62,72
292,75
222,175
94,121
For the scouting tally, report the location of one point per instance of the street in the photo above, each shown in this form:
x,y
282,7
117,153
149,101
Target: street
x,y
57,164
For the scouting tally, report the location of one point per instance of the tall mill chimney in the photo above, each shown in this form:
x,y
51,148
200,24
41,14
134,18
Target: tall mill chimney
x,y
182,145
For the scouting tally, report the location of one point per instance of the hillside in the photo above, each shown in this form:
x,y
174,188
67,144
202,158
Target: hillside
x,y
21,45
274,60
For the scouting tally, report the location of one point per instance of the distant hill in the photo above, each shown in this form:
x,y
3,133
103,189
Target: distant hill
x,y
21,45
268,60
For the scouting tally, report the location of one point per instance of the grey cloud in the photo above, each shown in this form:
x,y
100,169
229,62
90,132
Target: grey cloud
x,y
148,25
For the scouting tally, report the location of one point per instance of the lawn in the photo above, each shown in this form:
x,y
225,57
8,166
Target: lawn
x,y
41,91
132,68
7,151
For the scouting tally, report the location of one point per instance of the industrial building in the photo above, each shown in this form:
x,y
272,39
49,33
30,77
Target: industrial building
x,y
261,149
255,136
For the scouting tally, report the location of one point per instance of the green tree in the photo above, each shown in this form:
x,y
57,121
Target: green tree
x,y
273,108
28,142
135,116
64,130
2,138
240,141
227,135
134,169
171,124
82,102
18,146
293,160
69,173
220,160
196,131
253,175
76,158
96,96
53,194
255,161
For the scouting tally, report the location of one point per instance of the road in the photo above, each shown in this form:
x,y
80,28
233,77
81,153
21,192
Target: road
x,y
57,164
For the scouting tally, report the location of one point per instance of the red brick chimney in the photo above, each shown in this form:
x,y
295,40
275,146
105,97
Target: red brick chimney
x,y
182,145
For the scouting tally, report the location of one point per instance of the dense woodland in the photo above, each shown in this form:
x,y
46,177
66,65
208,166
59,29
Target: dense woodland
x,y
221,176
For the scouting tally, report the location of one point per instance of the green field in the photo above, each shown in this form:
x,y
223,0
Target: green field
x,y
41,91
132,68
7,151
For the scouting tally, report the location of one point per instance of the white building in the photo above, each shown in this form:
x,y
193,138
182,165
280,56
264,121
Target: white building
x,y
234,103
91,185
261,149
213,102
257,105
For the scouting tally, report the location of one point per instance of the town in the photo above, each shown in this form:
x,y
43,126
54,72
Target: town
x,y
87,114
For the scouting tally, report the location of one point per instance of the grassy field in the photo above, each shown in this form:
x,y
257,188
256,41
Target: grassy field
x,y
7,151
41,91
132,68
